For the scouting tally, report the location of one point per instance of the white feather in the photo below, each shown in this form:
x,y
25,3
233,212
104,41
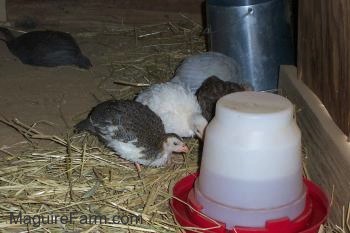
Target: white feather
x,y
126,150
174,104
194,70
161,161
133,153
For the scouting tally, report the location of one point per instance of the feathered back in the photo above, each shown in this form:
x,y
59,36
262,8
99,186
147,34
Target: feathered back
x,y
174,104
124,120
211,90
193,70
47,48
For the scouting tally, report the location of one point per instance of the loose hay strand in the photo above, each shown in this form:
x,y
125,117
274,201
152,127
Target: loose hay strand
x,y
348,218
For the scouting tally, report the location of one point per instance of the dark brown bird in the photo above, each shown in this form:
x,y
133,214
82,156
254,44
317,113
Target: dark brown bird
x,y
45,48
133,131
211,90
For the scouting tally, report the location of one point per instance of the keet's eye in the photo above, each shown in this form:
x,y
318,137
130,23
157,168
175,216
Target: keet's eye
x,y
175,143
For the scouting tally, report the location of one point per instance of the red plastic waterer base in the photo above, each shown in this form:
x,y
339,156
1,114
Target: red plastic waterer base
x,y
315,213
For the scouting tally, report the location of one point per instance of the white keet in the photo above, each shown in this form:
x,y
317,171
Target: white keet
x,y
178,108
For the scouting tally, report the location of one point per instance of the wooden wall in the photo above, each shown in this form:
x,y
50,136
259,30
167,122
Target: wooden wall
x,y
52,14
324,54
3,16
185,6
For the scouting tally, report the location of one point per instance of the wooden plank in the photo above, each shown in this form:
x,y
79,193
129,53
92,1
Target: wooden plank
x,y
3,15
323,55
101,15
327,148
184,6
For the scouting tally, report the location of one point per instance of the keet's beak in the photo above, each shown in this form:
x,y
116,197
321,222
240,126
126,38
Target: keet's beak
x,y
184,149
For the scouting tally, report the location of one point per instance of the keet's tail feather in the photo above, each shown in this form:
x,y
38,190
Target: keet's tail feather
x,y
6,35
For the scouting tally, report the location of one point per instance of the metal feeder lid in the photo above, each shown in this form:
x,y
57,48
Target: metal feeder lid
x,y
235,2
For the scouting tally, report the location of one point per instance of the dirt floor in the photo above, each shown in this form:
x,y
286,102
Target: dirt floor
x,y
114,39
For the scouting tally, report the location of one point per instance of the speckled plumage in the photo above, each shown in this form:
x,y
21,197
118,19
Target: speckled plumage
x,y
129,128
176,106
211,90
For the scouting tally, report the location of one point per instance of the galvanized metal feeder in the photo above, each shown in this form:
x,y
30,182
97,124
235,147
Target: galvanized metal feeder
x,y
255,33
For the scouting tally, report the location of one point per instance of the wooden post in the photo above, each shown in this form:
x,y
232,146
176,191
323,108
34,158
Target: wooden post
x,y
3,15
323,55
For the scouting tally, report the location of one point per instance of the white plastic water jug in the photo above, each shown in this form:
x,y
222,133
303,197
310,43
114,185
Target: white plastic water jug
x,y
251,169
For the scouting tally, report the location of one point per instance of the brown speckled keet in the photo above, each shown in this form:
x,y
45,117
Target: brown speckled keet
x,y
211,90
